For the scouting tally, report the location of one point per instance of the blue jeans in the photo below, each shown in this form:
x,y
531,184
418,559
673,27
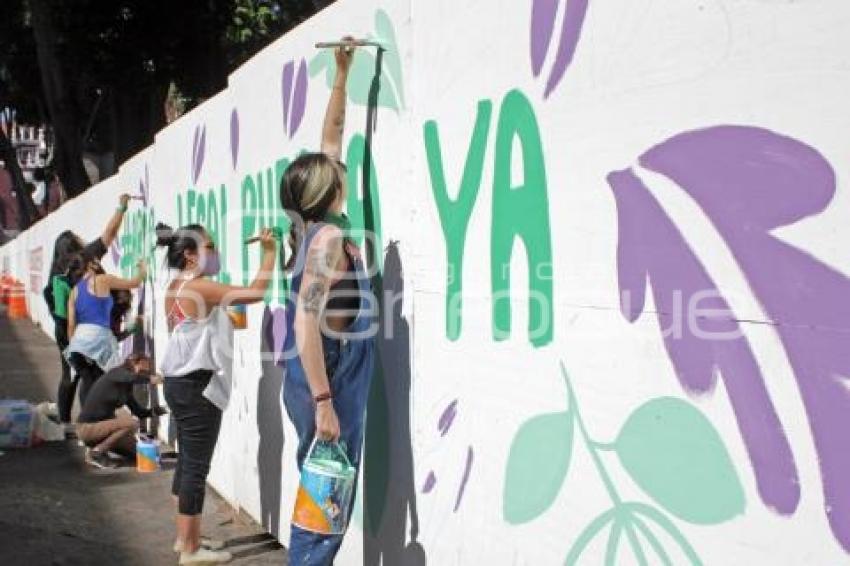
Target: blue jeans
x,y
349,367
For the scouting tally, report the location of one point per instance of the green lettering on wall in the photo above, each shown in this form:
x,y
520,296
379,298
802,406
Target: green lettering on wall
x,y
249,221
455,213
521,211
364,209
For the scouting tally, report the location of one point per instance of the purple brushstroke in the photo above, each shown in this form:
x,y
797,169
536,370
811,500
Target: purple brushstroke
x,y
570,35
115,253
299,101
195,152
286,92
543,14
279,333
147,186
447,418
464,479
750,181
651,247
234,137
430,482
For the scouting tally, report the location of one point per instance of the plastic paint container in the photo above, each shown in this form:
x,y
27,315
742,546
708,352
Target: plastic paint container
x,y
325,493
147,454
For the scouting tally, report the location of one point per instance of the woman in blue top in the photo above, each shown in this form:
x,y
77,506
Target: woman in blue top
x,y
329,347
93,349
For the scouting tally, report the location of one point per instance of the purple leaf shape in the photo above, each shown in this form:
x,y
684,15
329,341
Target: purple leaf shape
x,y
542,25
570,35
286,92
299,99
462,489
651,247
279,333
234,136
147,186
115,253
749,181
198,152
447,418
430,482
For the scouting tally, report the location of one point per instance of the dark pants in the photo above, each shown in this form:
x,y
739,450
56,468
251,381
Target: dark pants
x,y
198,422
87,373
67,386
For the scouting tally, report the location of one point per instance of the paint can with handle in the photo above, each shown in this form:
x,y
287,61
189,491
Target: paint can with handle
x,y
238,316
326,490
147,454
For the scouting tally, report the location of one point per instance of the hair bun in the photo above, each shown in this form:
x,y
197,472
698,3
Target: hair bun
x,y
164,235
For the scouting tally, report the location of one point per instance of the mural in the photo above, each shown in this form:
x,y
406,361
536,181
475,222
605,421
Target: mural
x,y
511,189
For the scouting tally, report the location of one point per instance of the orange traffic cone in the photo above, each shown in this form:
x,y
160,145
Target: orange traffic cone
x,y
18,301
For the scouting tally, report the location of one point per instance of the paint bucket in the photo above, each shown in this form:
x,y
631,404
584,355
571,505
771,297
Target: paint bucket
x,y
147,454
238,316
325,493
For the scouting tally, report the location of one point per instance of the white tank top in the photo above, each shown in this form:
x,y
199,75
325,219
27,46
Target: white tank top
x,y
201,344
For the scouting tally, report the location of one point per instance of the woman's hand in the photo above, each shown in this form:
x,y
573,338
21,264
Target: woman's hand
x,y
344,55
142,270
268,241
123,200
327,423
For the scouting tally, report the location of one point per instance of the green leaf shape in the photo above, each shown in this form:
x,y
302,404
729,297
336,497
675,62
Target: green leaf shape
x,y
392,59
588,534
613,543
537,466
655,516
363,67
677,457
653,541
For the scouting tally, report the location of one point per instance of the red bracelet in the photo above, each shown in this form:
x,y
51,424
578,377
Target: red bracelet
x,y
326,396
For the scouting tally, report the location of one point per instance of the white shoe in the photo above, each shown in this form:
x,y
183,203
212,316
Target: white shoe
x,y
208,543
205,556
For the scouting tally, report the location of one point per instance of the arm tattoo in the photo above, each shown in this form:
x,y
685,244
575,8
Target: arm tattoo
x,y
314,298
319,267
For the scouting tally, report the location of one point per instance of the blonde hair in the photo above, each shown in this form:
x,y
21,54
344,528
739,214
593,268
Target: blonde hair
x,y
308,189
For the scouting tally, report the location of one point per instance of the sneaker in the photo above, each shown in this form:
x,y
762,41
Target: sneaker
x,y
208,543
99,460
205,556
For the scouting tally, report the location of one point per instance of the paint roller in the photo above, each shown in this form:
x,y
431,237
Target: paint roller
x,y
349,43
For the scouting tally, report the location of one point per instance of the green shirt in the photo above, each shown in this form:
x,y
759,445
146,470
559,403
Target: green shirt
x,y
61,292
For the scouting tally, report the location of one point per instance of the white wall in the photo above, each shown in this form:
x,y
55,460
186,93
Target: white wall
x,y
728,448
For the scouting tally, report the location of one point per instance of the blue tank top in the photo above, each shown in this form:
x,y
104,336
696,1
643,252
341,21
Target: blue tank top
x,y
91,309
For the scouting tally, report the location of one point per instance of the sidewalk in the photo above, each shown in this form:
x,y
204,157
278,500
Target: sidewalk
x,y
54,510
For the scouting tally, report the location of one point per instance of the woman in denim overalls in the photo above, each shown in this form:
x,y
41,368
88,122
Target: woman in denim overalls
x,y
330,315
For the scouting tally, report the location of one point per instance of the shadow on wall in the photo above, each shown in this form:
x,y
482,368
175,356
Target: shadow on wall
x,y
270,430
389,545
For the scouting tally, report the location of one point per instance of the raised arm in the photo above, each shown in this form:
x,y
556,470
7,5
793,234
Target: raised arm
x,y
111,230
323,257
115,283
335,115
213,293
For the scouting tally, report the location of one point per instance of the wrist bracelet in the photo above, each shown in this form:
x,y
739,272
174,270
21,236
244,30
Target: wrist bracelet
x,y
326,396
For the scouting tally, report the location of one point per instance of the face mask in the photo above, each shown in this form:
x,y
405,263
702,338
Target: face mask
x,y
212,263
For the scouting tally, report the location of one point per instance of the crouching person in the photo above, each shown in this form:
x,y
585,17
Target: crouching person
x,y
98,425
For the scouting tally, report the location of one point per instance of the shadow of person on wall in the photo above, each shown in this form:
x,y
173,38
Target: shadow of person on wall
x,y
389,545
270,429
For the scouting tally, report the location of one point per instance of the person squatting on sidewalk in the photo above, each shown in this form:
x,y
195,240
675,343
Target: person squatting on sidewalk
x,y
196,363
98,425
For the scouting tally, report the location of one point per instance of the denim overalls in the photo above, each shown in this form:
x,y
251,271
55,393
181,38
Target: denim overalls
x,y
348,362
